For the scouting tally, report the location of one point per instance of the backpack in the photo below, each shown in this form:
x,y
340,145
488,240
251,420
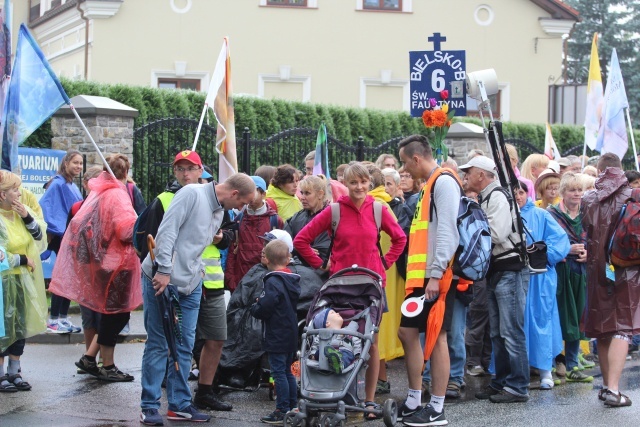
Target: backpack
x,y
335,220
140,234
471,260
624,245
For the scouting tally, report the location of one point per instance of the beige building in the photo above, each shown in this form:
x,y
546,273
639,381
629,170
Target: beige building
x,y
346,52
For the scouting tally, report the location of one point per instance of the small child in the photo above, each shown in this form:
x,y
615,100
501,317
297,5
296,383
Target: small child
x,y
277,306
343,348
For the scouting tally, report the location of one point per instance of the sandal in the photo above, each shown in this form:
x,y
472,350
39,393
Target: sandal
x,y
616,400
602,394
6,386
372,416
19,383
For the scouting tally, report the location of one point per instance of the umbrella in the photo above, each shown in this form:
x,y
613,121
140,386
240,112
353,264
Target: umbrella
x,y
436,314
169,307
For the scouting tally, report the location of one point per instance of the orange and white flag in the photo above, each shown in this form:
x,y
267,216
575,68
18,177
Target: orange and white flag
x,y
550,147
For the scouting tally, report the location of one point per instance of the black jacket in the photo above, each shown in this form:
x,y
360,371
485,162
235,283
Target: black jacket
x,y
297,222
276,307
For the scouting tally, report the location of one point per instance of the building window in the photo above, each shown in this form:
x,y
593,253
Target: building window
x,y
494,100
34,9
382,5
301,3
193,84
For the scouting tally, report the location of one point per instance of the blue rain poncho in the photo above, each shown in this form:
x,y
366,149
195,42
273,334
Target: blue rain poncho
x,y
541,318
56,204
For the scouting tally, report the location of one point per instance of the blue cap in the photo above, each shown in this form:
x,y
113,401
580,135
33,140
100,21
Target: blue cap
x,y
320,319
260,183
206,175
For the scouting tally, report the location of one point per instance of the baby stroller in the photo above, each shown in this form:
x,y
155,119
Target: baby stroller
x,y
356,294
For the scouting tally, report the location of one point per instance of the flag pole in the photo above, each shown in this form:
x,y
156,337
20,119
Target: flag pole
x,y
584,153
195,140
633,141
91,138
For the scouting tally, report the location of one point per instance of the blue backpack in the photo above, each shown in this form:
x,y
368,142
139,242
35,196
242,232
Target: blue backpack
x,y
471,260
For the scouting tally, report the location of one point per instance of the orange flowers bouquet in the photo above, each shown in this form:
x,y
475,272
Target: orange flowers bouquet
x,y
439,119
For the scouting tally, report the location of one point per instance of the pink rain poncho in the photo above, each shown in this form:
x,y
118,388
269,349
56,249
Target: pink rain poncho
x,y
97,265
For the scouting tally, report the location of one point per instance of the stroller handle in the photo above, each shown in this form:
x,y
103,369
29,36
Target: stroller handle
x,y
356,268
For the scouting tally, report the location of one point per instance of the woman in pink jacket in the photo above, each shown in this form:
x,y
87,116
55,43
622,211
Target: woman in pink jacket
x,y
355,242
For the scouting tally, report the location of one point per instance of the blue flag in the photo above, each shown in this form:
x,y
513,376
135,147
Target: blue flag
x,y
321,164
35,93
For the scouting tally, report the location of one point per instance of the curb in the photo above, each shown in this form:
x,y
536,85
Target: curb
x,y
77,338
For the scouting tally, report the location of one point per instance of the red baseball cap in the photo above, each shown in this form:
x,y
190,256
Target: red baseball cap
x,y
190,156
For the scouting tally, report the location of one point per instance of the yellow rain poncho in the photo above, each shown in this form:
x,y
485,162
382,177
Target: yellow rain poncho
x,y
287,204
25,304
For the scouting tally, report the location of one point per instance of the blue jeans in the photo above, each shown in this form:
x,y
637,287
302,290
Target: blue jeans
x,y
286,386
455,342
507,301
571,350
154,359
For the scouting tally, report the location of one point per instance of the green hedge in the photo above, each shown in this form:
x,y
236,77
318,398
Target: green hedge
x,y
267,117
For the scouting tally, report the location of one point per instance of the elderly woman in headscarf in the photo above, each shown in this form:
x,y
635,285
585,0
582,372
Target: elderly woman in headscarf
x,y
25,304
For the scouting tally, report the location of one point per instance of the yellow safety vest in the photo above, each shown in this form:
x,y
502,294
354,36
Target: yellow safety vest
x,y
166,198
213,274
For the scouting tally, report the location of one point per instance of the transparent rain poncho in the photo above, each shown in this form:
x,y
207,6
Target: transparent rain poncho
x,y
25,303
97,265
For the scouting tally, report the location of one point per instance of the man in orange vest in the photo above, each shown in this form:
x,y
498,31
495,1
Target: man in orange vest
x,y
433,241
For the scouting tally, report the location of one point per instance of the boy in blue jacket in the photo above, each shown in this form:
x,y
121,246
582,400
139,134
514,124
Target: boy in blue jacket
x,y
276,307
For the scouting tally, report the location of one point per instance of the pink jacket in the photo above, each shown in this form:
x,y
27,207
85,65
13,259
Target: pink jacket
x,y
356,238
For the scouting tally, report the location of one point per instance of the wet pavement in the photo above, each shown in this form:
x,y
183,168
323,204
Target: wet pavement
x,y
60,397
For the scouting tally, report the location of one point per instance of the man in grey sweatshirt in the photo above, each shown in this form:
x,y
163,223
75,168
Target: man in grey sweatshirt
x,y
418,160
188,226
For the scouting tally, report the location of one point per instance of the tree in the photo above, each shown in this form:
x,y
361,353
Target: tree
x,y
617,23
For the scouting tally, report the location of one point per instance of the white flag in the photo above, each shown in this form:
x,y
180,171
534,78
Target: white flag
x,y
594,98
550,147
612,136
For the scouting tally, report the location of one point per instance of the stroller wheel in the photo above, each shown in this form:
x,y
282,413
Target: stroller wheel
x,y
328,420
390,412
291,421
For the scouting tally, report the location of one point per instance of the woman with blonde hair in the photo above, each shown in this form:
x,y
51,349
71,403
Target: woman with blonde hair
x,y
355,242
25,304
588,182
547,186
533,165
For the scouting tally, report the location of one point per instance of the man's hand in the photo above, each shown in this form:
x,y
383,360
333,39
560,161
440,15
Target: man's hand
x,y
160,282
432,291
217,238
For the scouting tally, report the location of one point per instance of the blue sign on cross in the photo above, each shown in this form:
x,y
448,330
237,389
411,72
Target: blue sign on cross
x,y
431,72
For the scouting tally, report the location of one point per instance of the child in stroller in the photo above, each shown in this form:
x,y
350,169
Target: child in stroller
x,y
330,389
343,348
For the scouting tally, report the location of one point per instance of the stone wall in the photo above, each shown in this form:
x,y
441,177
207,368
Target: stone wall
x,y
462,145
112,134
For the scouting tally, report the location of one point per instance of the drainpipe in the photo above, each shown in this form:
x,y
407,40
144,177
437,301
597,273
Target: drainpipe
x,y
86,39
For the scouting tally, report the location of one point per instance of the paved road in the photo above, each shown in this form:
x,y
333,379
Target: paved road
x,y
62,398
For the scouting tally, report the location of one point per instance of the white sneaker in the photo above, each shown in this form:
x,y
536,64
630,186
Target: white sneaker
x,y
66,322
55,327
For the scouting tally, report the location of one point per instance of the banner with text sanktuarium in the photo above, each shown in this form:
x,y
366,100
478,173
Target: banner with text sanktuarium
x,y
37,166
432,72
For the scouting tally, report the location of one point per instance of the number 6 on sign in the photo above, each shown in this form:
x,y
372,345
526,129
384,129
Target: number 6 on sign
x,y
438,84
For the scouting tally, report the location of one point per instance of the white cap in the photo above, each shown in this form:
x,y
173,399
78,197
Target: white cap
x,y
480,162
278,235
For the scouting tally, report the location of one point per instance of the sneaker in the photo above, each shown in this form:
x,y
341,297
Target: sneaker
x,y
578,377
194,374
587,364
334,357
210,401
190,413
476,371
404,411
486,393
66,323
546,384
151,417
561,369
276,417
383,387
113,375
428,416
88,367
125,331
55,327
453,391
506,397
